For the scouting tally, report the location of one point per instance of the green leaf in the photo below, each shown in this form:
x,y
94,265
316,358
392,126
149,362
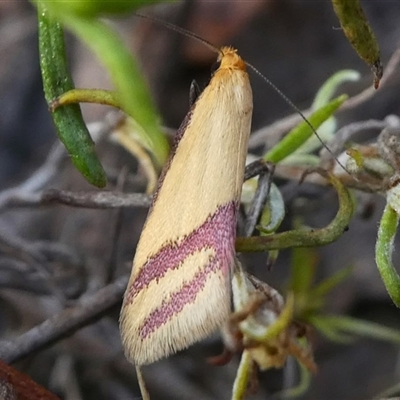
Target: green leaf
x,y
273,213
302,132
360,327
68,120
131,89
304,160
327,130
328,328
330,283
92,8
327,90
133,93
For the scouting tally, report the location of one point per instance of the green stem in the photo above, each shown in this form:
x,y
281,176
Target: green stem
x,y
383,253
242,377
98,96
302,237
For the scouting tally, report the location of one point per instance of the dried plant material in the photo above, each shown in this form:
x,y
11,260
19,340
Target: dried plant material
x,y
360,35
15,385
262,325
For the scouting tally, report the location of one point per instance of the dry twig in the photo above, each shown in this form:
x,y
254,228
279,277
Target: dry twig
x,y
89,310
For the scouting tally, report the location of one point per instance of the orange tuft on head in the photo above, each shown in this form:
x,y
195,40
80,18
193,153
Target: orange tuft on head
x,y
230,59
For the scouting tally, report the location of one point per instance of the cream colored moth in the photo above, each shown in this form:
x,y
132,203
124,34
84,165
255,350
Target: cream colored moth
x,y
179,291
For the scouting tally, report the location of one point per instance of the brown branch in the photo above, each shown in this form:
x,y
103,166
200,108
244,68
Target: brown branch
x,y
15,385
64,324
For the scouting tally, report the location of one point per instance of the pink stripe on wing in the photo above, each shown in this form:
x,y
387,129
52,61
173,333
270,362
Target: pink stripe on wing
x,y
185,295
217,232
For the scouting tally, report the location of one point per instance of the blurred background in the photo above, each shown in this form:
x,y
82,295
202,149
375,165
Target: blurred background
x,y
297,45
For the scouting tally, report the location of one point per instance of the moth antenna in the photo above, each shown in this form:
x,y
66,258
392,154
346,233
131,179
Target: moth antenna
x,y
291,104
178,29
215,49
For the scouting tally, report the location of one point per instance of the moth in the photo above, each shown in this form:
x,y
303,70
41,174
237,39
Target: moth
x,y
179,291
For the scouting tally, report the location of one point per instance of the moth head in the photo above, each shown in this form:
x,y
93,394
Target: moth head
x,y
229,59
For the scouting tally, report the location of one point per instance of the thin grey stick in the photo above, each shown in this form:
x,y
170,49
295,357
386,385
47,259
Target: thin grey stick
x,y
26,192
259,201
43,175
64,324
96,199
99,199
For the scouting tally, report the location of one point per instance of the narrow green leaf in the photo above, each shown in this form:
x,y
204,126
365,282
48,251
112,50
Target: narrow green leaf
x,y
132,91
327,130
327,327
68,120
302,132
92,8
330,86
360,327
298,158
330,283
